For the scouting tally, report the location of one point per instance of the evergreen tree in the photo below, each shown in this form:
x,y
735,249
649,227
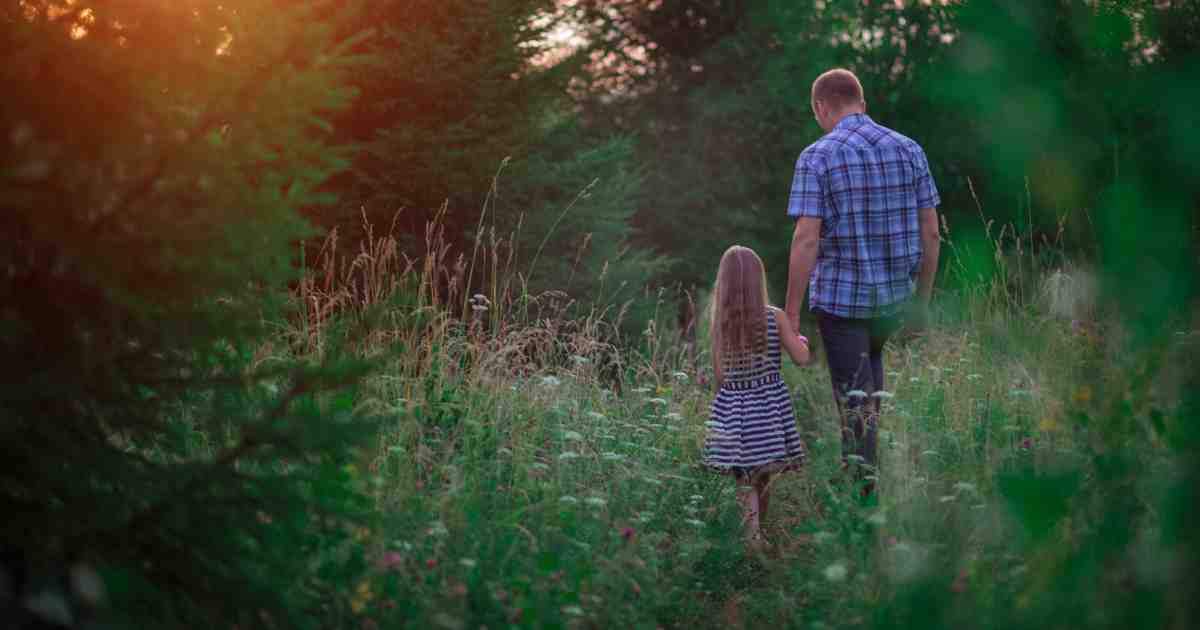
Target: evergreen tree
x,y
466,117
155,157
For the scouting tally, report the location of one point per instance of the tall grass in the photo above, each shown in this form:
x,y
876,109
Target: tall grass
x,y
540,470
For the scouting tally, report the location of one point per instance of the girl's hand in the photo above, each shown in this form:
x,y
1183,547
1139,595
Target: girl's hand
x,y
795,344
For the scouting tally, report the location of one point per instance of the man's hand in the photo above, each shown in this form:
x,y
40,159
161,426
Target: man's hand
x,y
916,320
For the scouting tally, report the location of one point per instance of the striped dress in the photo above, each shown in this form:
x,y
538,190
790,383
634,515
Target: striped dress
x,y
751,424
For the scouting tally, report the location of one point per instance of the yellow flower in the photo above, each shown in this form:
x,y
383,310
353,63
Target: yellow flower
x,y
350,469
1083,395
362,596
1048,424
362,534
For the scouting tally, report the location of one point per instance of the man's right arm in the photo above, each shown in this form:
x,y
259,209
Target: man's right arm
x,y
808,205
803,257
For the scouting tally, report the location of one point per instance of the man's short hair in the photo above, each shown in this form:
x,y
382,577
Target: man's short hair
x,y
838,88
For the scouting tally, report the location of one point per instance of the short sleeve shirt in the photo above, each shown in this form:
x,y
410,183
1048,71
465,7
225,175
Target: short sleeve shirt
x,y
866,183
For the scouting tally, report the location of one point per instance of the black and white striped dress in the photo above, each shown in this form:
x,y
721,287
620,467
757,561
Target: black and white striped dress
x,y
751,424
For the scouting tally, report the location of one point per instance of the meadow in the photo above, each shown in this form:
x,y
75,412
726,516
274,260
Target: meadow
x,y
537,469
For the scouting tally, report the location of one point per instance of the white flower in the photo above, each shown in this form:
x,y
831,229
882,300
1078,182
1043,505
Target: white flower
x,y
596,415
573,610
572,435
504,451
947,498
596,501
963,486
550,381
566,498
974,377
696,497
682,377
645,517
539,466
914,379
857,459
567,455
694,522
674,415
883,395
657,401
437,528
580,360
641,390
877,519
836,572
929,453
613,457
856,393
468,562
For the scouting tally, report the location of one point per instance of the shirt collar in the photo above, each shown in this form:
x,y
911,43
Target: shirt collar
x,y
853,120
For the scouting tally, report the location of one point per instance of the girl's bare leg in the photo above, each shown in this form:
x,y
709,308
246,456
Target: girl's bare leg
x,y
762,487
747,496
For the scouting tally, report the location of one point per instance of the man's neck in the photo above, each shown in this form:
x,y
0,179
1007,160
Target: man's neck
x,y
842,115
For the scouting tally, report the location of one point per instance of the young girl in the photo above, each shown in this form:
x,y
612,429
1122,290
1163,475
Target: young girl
x,y
752,430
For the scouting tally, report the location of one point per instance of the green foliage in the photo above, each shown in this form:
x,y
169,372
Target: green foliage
x,y
155,159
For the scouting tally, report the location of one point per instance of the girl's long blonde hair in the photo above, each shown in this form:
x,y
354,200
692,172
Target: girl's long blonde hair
x,y
738,310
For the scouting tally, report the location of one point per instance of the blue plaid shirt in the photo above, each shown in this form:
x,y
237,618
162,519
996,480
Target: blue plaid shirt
x,y
866,183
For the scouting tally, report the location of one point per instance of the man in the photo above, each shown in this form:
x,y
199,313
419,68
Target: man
x,y
865,246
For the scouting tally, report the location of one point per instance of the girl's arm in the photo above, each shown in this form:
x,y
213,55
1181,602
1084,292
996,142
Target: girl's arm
x,y
795,344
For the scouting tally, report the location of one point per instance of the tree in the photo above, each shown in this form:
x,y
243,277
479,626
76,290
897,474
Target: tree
x,y
456,89
155,159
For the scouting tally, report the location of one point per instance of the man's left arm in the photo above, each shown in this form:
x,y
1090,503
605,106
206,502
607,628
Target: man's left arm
x,y
927,202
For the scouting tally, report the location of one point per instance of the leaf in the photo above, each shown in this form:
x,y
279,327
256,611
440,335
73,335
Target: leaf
x,y
1039,501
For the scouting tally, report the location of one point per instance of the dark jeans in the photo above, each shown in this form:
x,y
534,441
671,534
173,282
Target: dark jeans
x,y
854,351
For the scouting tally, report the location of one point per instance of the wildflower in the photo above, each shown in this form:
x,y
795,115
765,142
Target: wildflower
x,y
694,522
402,545
836,572
696,497
1048,424
1026,443
596,502
627,534
468,563
947,498
550,381
572,435
974,377
390,560
674,415
568,499
595,415
682,377
504,451
882,395
657,401
613,457
641,390
914,379
567,455
929,453
1083,395
963,486
362,596
645,517
573,610
438,529
877,519
431,563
